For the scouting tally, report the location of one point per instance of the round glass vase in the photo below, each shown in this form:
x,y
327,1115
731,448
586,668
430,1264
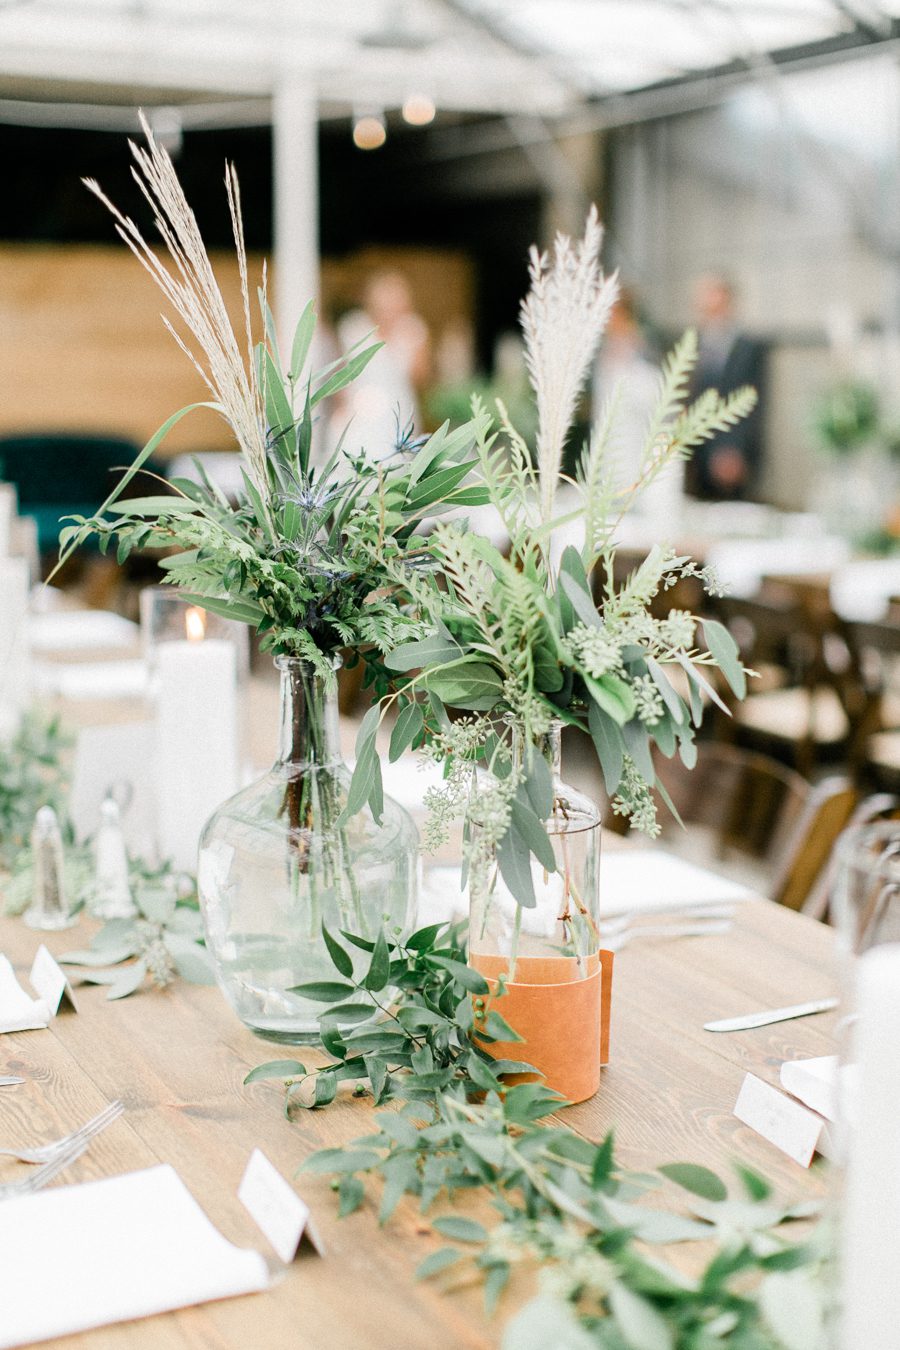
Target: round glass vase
x,y
548,955
277,862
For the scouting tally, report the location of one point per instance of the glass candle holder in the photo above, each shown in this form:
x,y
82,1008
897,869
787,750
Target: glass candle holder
x,y
866,1189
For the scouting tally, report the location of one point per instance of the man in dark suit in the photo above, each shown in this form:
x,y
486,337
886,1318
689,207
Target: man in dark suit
x,y
727,467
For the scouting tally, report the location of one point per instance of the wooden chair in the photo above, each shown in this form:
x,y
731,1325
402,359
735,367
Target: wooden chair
x,y
875,747
795,711
741,805
880,806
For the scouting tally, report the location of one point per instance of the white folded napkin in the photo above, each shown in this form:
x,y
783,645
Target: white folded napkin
x,y
79,1257
650,880
81,630
635,881
18,1011
92,679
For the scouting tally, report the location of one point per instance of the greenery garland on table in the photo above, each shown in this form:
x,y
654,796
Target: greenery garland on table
x,y
32,775
162,942
453,1125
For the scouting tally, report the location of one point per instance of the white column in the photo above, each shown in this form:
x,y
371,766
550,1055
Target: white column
x,y
296,207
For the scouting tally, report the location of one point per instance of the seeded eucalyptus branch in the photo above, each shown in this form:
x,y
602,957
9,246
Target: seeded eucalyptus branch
x,y
452,1123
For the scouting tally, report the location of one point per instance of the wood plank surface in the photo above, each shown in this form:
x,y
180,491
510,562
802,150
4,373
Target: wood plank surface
x,y
177,1058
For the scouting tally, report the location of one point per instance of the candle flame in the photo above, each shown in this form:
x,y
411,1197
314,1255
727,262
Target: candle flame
x,y
195,624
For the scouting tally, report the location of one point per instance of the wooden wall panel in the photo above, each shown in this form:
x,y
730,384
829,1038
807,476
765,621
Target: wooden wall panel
x,y
83,348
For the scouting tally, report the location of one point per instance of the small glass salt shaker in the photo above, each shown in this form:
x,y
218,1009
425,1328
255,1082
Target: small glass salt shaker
x,y
112,898
48,909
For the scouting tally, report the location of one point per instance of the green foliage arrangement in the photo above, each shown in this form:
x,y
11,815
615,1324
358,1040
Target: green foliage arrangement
x,y
533,636
450,1125
847,417
308,553
161,943
32,775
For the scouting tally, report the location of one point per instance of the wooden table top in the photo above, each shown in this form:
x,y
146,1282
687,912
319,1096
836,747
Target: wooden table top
x,y
177,1059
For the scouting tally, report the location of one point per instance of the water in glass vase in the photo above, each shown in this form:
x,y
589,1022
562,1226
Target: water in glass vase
x,y
278,861
548,955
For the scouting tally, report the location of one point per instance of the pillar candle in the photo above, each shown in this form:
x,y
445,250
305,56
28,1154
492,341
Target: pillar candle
x,y
870,1219
196,740
7,516
15,661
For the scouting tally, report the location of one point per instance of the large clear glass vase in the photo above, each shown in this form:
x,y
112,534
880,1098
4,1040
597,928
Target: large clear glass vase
x,y
278,861
547,956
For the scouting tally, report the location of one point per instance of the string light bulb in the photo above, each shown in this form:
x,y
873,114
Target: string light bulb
x,y
418,110
369,132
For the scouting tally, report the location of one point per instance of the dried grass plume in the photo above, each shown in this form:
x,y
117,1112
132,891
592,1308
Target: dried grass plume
x,y
563,318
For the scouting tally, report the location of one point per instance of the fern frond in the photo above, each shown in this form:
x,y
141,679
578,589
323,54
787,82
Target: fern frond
x,y
673,388
709,415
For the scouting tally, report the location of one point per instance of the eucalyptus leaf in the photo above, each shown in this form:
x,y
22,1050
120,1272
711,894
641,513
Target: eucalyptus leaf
x,y
726,654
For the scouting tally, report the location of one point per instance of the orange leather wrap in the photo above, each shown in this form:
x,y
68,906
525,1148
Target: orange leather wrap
x,y
562,1015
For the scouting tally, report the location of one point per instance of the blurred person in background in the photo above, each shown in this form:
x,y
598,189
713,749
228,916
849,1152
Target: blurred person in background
x,y
627,379
385,396
727,467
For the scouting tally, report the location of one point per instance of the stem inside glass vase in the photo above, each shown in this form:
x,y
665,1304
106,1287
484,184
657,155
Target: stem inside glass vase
x,y
309,756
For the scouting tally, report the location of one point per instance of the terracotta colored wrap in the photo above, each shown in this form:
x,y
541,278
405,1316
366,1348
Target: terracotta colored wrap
x,y
563,1017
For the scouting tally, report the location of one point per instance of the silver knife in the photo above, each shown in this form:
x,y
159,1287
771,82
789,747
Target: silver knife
x,y
763,1019
6,1081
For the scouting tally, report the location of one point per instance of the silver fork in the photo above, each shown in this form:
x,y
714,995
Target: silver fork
x,y
44,1175
42,1153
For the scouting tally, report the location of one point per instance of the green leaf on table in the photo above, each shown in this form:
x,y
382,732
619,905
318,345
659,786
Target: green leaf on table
x,y
379,967
547,1322
101,956
323,991
192,962
696,1179
348,1013
130,980
410,724
642,1327
351,1193
459,1229
325,1090
341,960
469,979
437,1261
423,938
340,1160
276,1068
756,1186
726,654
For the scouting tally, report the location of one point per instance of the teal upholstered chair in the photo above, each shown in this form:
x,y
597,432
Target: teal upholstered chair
x,y
60,474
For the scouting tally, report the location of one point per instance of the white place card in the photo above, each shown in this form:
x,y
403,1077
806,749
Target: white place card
x,y
49,979
277,1208
18,1011
792,1128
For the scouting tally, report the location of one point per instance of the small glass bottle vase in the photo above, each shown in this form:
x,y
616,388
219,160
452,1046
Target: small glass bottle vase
x,y
277,863
557,981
